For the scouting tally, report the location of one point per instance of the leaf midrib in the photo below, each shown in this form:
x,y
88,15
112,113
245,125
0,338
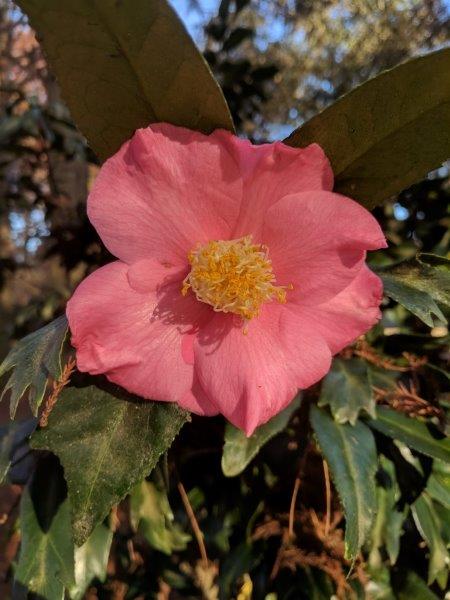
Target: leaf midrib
x,y
104,450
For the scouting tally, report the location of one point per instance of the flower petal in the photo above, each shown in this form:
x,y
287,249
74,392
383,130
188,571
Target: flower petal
x,y
271,171
251,377
148,275
166,189
317,242
134,339
348,315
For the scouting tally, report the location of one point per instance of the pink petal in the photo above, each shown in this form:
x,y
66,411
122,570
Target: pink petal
x,y
317,242
341,320
271,171
251,377
148,275
308,354
134,339
166,189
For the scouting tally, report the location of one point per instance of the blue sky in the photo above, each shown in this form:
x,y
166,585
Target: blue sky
x,y
194,19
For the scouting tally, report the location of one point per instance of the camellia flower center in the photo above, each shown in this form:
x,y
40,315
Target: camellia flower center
x,y
233,276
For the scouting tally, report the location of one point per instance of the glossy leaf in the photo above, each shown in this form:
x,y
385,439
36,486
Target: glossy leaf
x,y
419,284
150,512
32,360
91,560
239,450
351,454
429,526
106,444
347,390
121,68
387,133
412,432
46,561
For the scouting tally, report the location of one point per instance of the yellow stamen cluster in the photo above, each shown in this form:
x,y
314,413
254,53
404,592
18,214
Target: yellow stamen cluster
x,y
233,276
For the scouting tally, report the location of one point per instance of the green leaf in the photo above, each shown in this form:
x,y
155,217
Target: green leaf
x,y
33,359
239,450
91,560
106,444
387,133
429,526
438,485
122,66
419,283
46,561
347,390
388,524
150,512
350,452
415,434
415,588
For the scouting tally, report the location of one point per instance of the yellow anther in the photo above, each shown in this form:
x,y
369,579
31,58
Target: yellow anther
x,y
233,276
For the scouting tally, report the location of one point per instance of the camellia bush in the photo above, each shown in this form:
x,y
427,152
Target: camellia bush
x,y
250,399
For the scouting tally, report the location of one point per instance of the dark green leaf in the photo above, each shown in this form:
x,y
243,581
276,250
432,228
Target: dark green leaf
x,y
106,444
7,436
411,432
121,67
429,526
150,512
350,452
387,133
13,446
91,560
388,524
33,359
419,283
46,561
347,390
239,449
438,486
415,588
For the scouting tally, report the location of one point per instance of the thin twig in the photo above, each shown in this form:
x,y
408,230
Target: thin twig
x,y
326,474
292,507
194,523
57,389
291,534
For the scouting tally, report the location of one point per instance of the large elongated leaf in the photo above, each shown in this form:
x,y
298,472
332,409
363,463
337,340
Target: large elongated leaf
x,y
419,283
350,451
347,390
106,444
387,133
411,432
33,359
239,450
91,560
46,561
429,526
122,66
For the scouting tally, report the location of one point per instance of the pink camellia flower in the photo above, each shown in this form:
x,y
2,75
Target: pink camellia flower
x,y
239,273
